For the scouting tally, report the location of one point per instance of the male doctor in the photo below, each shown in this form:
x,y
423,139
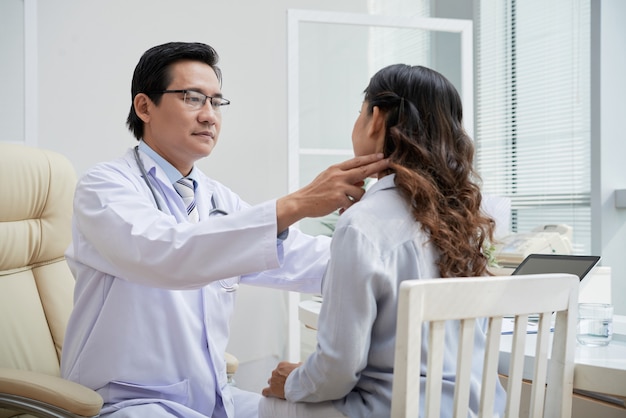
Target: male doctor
x,y
156,270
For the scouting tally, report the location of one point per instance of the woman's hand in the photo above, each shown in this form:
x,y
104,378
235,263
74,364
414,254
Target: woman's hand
x,y
277,381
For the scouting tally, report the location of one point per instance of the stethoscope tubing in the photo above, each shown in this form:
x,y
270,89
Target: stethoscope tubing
x,y
215,211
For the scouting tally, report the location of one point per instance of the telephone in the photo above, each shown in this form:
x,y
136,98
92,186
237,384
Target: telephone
x,y
545,239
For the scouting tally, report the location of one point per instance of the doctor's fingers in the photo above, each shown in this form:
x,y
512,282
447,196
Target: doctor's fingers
x,y
352,172
359,168
359,161
336,182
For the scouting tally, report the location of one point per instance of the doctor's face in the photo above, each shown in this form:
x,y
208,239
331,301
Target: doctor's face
x,y
177,131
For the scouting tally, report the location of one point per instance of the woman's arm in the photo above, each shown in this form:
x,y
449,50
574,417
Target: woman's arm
x,y
348,312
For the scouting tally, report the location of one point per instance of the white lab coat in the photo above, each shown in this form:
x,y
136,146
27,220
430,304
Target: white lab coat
x,y
151,312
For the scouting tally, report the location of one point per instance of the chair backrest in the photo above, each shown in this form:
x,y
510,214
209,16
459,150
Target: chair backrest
x,y
36,285
466,299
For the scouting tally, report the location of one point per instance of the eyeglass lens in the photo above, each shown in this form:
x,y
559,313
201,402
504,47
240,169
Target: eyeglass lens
x,y
196,100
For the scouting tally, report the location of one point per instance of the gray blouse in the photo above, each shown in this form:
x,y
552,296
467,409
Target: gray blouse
x,y
376,245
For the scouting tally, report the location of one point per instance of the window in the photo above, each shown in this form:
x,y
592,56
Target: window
x,y
331,59
532,127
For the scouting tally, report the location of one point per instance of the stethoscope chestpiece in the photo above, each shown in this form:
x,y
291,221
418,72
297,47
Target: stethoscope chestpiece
x,y
228,288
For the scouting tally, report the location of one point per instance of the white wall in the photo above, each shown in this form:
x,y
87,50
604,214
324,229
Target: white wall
x,y
12,51
87,51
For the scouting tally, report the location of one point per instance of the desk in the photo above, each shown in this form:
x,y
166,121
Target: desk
x,y
597,369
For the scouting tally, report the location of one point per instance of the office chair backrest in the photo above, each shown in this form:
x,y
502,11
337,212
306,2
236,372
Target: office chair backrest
x,y
36,285
465,299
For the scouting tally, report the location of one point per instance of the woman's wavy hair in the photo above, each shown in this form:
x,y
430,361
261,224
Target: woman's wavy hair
x,y
432,157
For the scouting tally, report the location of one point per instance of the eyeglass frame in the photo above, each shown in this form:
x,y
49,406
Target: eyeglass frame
x,y
214,106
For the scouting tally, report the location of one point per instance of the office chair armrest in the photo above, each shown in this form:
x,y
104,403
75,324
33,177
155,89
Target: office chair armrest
x,y
46,396
232,364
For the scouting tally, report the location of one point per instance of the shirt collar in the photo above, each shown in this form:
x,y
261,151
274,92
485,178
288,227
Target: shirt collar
x,y
170,171
386,182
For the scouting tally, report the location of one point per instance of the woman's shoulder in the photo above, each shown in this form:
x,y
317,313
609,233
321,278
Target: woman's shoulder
x,y
377,202
383,214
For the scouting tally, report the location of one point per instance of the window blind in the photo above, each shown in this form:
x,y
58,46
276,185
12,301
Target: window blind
x,y
532,127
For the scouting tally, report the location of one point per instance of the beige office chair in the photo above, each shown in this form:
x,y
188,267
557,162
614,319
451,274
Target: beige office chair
x,y
464,299
36,285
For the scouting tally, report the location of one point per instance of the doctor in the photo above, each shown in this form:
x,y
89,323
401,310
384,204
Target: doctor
x,y
156,273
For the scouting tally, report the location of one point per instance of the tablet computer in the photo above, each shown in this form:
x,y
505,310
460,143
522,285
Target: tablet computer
x,y
578,265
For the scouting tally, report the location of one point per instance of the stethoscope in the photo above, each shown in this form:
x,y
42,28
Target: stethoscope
x,y
227,287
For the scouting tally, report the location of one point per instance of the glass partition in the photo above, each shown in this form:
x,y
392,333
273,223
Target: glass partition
x,y
331,57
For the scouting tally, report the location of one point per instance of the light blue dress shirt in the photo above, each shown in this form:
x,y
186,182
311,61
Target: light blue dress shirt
x,y
376,245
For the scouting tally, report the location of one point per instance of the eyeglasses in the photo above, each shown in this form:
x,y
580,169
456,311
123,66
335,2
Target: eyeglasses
x,y
196,100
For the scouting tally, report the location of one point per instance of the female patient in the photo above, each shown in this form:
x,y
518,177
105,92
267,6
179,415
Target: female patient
x,y
422,219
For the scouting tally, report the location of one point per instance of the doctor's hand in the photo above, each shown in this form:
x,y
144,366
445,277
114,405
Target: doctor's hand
x,y
276,388
337,187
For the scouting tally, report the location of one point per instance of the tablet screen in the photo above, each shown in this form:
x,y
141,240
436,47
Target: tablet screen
x,y
579,265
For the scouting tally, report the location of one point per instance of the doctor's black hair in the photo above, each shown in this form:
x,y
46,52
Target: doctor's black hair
x,y
152,73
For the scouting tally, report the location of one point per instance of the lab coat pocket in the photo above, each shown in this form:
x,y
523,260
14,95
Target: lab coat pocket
x,y
122,391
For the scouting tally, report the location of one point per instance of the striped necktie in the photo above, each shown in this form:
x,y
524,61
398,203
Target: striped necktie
x,y
185,188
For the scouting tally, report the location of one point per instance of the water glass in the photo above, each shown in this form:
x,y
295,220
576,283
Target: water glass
x,y
595,324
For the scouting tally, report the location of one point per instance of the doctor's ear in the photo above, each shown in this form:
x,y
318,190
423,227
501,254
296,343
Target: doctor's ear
x,y
142,104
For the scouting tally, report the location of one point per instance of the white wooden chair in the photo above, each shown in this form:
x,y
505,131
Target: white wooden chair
x,y
465,299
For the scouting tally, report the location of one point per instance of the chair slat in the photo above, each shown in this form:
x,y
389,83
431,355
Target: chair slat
x,y
537,395
408,353
490,367
435,368
464,367
516,365
561,372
